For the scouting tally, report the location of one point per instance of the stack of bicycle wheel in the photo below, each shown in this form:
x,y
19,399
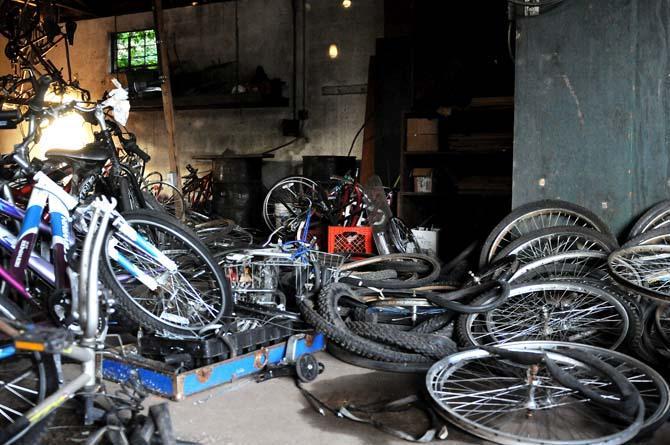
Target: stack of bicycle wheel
x,y
576,299
546,328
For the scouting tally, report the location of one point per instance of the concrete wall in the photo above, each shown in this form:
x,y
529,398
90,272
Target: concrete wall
x,y
202,35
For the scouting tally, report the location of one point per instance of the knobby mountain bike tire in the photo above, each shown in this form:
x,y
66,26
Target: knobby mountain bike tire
x,y
198,295
389,260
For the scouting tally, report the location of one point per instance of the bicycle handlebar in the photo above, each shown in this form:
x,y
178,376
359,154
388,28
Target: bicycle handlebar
x,y
37,102
37,109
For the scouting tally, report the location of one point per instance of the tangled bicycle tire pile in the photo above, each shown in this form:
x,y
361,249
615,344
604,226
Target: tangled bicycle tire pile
x,y
561,336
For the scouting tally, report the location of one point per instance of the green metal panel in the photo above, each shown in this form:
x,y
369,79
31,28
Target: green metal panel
x,y
591,106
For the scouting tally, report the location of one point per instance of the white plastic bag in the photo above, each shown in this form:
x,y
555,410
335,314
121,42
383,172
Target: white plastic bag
x,y
118,100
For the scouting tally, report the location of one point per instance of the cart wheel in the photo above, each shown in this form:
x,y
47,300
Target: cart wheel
x,y
307,368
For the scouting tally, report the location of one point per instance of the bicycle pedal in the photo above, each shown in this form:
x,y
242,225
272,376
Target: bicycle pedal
x,y
52,341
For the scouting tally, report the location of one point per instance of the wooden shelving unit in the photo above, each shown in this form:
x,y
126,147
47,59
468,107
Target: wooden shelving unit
x,y
472,167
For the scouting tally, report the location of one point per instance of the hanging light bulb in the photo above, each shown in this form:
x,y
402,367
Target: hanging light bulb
x,y
333,52
346,4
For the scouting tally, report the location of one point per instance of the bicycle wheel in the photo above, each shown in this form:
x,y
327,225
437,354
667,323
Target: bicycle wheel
x,y
402,237
555,240
534,216
580,312
165,194
662,323
288,202
197,295
508,403
567,265
652,236
394,261
27,379
656,217
644,268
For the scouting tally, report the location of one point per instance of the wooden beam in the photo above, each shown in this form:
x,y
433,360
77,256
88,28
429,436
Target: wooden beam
x,y
168,104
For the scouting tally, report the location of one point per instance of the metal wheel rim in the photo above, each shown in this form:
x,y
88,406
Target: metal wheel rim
x,y
635,267
435,376
214,304
534,312
500,240
580,258
13,388
553,244
267,215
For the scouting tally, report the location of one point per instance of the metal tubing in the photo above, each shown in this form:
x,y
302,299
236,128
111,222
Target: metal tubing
x,y
85,260
92,300
65,393
79,354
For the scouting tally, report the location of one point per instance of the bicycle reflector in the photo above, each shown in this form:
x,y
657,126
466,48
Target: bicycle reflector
x,y
29,346
53,341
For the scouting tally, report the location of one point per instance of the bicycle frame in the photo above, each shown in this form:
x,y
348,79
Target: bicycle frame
x,y
84,352
47,192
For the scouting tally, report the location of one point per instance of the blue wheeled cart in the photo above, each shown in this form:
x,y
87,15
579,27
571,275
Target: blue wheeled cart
x,y
167,382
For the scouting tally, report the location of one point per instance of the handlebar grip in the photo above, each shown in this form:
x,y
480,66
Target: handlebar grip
x,y
37,102
133,148
9,119
10,115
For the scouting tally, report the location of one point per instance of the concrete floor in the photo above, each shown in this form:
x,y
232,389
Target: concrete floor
x,y
275,412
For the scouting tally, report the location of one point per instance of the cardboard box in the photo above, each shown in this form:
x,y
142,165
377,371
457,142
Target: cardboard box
x,y
422,135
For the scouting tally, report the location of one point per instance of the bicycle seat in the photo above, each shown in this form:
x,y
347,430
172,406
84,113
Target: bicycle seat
x,y
90,153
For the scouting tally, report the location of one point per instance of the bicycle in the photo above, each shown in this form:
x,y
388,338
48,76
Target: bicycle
x,y
291,200
43,345
177,295
31,394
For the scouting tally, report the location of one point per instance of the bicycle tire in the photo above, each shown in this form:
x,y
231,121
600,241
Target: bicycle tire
x,y
216,280
568,265
430,345
652,236
434,323
617,304
353,359
393,284
495,241
513,382
630,267
656,412
662,331
526,247
301,180
653,218
353,343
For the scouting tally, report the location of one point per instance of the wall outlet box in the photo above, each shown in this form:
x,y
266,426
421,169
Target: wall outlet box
x,y
290,127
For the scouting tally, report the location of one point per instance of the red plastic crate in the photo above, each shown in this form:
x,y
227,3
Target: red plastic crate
x,y
353,240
